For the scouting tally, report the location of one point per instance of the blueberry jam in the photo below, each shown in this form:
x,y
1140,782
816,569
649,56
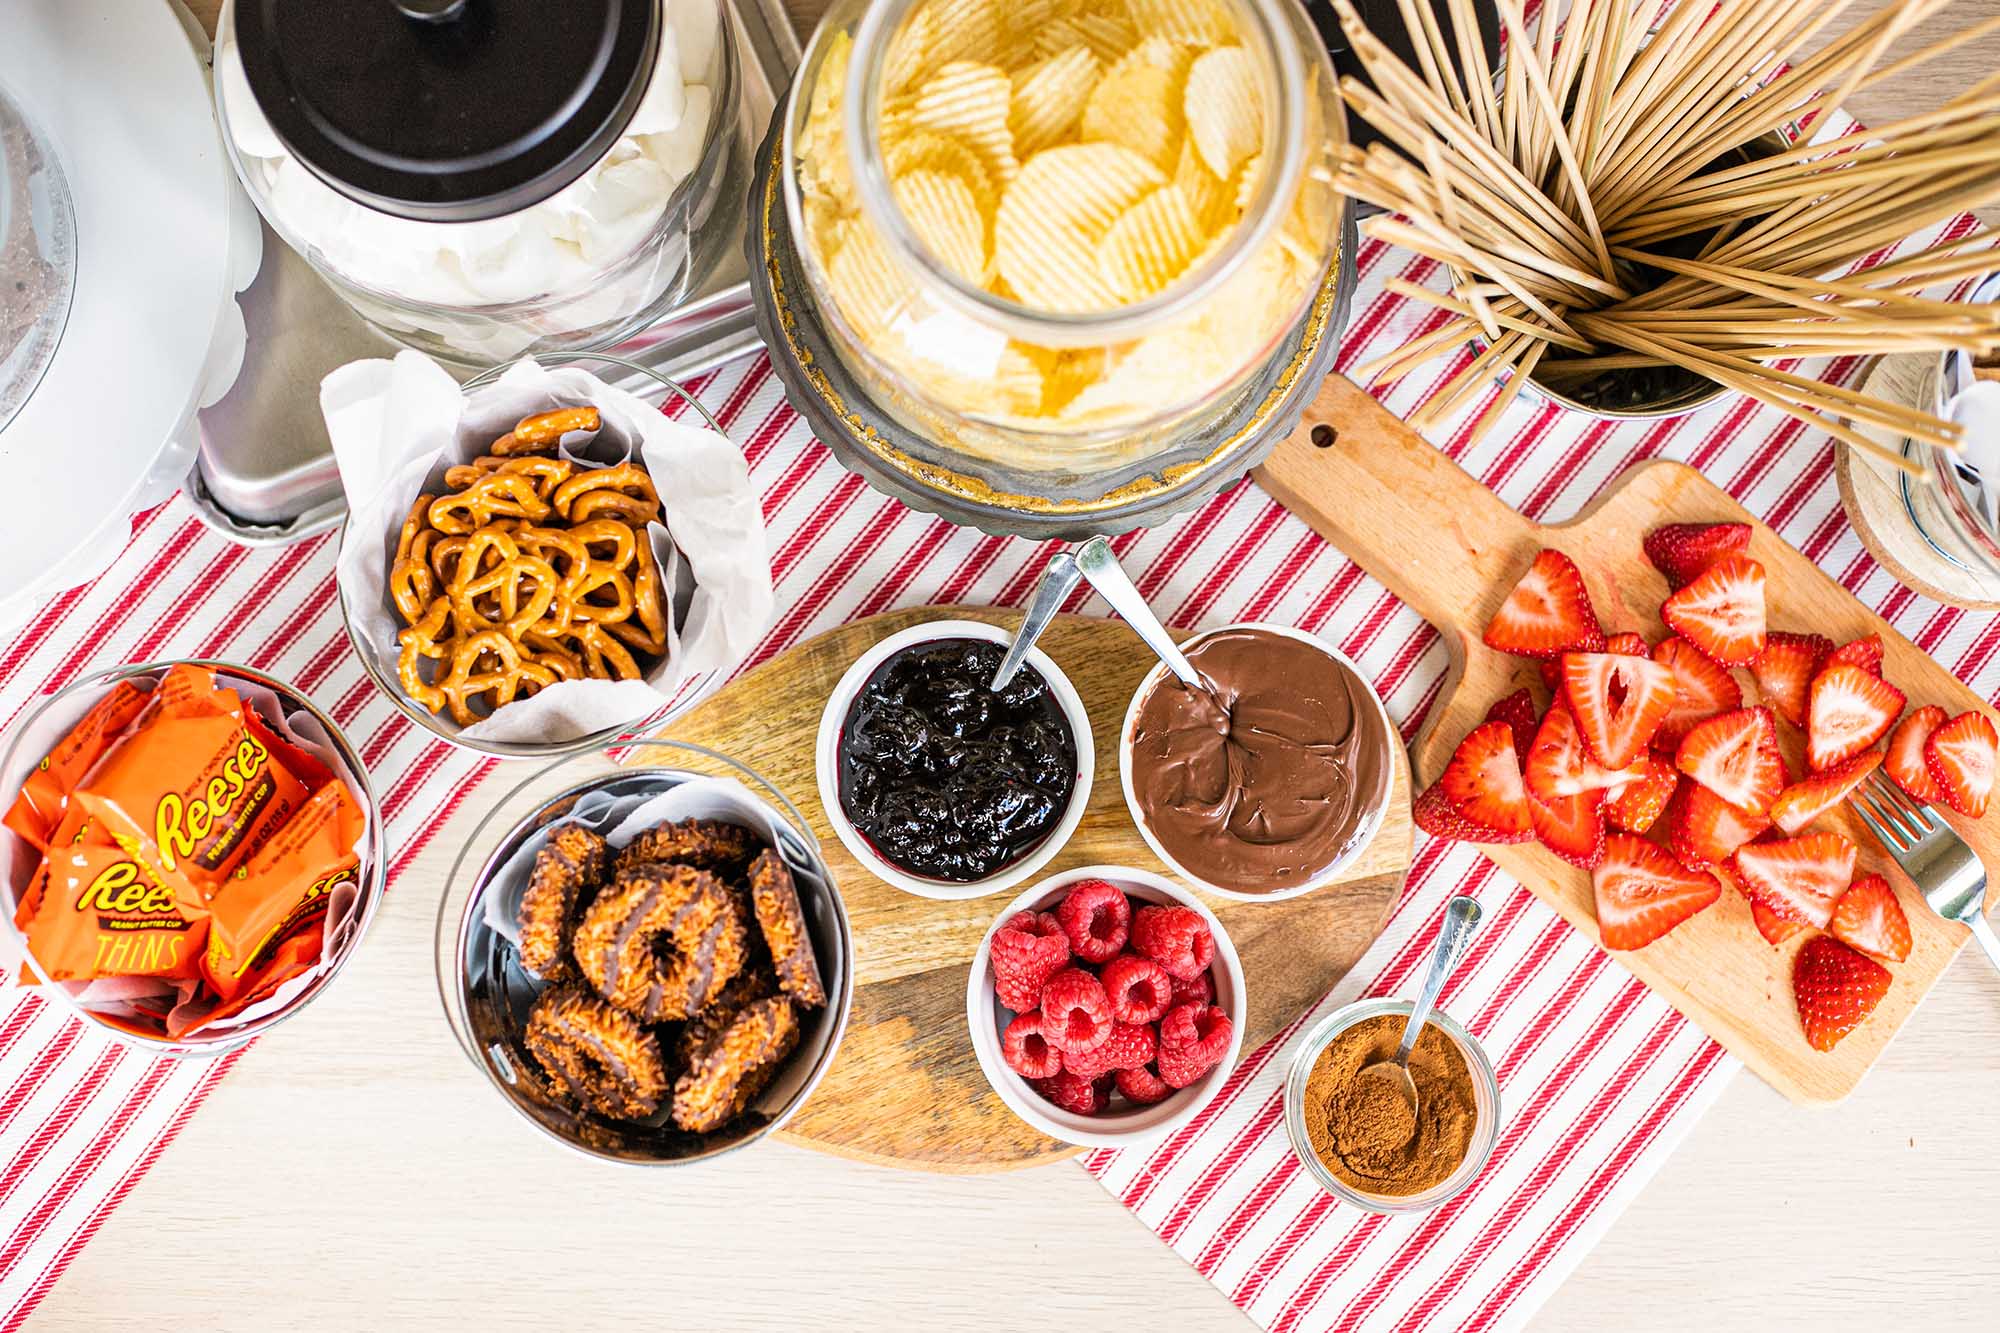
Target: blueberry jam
x,y
946,778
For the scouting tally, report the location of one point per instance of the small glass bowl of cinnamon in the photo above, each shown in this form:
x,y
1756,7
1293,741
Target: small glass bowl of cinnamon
x,y
1365,1152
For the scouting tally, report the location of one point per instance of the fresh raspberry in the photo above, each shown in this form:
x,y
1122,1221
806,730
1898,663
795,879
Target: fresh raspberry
x,y
1035,923
1199,991
1073,1092
1174,937
1130,1046
1023,962
1076,1013
1193,1041
1142,1086
1026,1051
1096,918
1140,989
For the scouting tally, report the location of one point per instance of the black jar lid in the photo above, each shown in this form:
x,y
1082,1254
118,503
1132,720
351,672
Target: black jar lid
x,y
448,110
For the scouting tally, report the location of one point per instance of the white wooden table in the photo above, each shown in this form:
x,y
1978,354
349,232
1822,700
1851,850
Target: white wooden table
x,y
354,1171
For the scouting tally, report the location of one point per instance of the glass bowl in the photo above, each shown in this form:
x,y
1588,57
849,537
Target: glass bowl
x,y
1485,1093
383,674
551,291
486,994
52,719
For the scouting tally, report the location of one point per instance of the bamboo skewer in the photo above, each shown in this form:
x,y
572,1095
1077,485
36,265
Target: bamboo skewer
x,y
1562,208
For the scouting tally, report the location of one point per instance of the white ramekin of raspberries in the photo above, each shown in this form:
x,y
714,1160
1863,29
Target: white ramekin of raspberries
x,y
1106,1006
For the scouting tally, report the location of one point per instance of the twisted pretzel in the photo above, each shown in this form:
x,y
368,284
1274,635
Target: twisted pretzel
x,y
628,480
495,495
541,433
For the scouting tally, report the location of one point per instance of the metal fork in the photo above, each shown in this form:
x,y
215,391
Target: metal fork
x,y
1932,854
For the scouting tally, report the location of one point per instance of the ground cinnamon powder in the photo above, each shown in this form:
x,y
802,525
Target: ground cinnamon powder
x,y
1366,1134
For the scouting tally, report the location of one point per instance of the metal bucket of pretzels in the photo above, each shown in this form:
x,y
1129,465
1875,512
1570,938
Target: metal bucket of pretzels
x,y
541,561
644,952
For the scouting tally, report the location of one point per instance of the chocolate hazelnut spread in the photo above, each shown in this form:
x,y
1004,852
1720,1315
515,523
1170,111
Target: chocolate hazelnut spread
x,y
1269,775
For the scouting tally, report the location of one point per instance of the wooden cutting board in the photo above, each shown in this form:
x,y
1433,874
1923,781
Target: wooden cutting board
x,y
906,1089
1452,550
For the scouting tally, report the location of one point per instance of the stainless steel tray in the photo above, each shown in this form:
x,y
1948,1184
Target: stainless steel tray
x,y
264,474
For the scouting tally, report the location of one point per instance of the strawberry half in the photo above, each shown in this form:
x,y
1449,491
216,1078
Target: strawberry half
x,y
1869,918
1570,826
1548,612
1642,893
1774,928
1785,670
1835,988
1618,702
1906,763
1636,806
1559,765
1722,612
1959,757
1684,551
1804,801
1736,757
1434,813
1798,878
1517,710
1705,830
1702,688
1849,710
1865,652
1483,779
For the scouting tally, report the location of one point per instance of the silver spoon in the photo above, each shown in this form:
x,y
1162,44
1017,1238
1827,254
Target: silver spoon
x,y
1461,918
1100,565
1059,578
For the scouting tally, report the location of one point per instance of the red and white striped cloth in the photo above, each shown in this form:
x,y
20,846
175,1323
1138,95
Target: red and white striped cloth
x,y
1599,1079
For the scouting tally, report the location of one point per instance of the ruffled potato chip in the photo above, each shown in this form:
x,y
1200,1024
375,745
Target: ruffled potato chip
x,y
1051,218
1196,22
868,289
944,214
1049,99
1225,108
1150,244
925,151
1214,206
971,101
1136,105
1107,37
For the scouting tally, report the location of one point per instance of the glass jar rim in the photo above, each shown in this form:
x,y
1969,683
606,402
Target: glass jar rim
x,y
1284,109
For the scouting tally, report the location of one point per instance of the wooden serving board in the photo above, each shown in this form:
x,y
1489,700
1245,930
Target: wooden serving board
x,y
906,1089
1452,550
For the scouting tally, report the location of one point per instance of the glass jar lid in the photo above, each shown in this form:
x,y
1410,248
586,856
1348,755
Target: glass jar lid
x,y
448,110
37,253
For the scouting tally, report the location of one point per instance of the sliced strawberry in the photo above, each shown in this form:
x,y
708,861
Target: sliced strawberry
x,y
1722,612
1869,918
1835,988
1865,653
1434,813
1684,551
1785,669
1701,690
1805,800
1628,644
1548,613
1642,893
1483,779
1959,757
1774,928
1570,826
1559,765
1736,757
1906,763
1517,710
1798,878
1636,806
1849,710
1705,830
1617,701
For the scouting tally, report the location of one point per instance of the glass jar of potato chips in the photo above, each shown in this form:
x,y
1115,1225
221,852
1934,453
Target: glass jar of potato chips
x,y
1057,235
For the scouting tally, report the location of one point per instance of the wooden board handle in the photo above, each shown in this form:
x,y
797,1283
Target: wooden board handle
x,y
1397,506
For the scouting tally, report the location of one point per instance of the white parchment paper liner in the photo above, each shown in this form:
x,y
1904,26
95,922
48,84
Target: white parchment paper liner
x,y
138,998
397,425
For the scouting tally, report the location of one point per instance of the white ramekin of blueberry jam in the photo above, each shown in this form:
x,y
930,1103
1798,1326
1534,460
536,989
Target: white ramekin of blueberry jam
x,y
938,784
